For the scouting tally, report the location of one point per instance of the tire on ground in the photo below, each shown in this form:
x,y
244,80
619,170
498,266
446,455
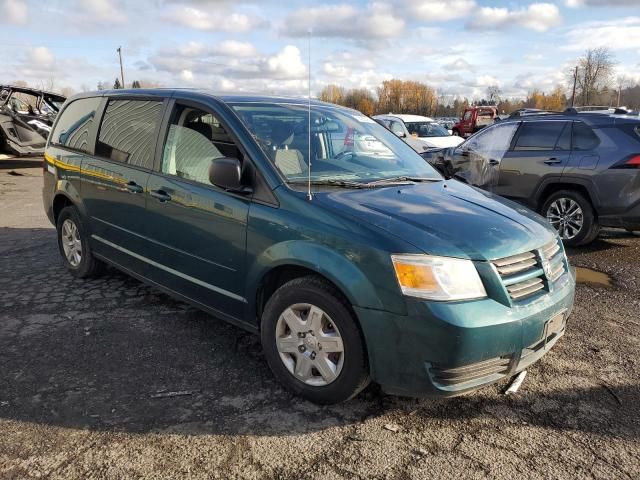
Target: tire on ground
x,y
590,226
314,290
89,266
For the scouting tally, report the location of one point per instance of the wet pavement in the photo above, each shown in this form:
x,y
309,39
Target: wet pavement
x,y
109,378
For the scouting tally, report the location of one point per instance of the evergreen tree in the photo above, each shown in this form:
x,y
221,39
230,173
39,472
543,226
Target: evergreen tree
x,y
116,84
135,84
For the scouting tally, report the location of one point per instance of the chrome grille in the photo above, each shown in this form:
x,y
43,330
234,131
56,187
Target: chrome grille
x,y
529,273
524,289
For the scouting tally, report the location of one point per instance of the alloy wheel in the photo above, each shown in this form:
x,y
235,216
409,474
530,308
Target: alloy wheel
x,y
71,244
309,344
566,216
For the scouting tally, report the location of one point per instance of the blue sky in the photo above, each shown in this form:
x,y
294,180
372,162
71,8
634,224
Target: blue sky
x,y
457,46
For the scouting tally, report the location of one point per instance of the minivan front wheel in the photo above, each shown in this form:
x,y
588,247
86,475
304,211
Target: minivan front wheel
x,y
572,215
312,342
74,245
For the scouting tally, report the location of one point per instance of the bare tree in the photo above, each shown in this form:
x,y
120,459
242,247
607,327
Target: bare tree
x,y
595,69
622,82
493,92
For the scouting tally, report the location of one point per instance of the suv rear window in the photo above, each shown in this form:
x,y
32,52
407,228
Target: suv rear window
x,y
128,132
583,137
539,135
75,123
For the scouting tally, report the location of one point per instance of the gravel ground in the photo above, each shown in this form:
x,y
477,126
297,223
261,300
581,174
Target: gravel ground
x,y
109,378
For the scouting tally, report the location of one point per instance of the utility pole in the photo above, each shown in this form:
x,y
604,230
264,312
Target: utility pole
x,y
575,79
121,69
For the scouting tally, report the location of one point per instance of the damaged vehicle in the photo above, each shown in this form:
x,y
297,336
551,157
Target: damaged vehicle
x,y
26,116
579,170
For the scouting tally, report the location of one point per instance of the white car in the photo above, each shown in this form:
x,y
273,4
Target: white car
x,y
421,133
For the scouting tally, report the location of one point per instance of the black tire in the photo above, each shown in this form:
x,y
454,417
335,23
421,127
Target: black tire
x,y
590,226
88,266
455,133
314,290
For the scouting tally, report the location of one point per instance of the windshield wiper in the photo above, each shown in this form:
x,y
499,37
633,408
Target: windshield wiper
x,y
402,179
333,183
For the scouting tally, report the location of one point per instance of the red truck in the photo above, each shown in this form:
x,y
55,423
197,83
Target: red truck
x,y
473,119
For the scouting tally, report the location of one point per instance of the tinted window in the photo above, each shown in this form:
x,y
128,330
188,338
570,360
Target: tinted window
x,y
539,135
564,142
583,137
194,139
75,124
127,131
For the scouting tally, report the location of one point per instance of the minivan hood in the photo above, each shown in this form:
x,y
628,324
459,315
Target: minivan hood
x,y
445,218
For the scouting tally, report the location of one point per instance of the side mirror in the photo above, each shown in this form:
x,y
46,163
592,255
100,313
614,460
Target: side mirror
x,y
401,134
226,173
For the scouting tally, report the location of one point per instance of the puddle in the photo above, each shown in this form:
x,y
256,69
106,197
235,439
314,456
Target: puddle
x,y
586,275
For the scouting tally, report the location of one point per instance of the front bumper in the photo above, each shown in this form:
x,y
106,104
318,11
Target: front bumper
x,y
450,348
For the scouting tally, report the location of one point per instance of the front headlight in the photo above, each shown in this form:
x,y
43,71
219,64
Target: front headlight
x,y
438,278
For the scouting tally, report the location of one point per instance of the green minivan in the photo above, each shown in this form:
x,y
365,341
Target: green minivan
x,y
315,227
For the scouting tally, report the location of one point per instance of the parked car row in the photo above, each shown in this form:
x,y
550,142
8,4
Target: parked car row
x,y
579,170
317,228
421,133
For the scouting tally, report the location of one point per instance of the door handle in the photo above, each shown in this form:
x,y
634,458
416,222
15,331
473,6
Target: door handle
x,y
161,195
493,162
133,187
552,161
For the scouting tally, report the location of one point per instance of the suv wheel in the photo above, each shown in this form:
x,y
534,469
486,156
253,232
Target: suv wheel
x,y
74,245
312,342
572,216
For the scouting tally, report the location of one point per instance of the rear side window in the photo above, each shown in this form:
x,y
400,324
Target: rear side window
x,y
75,124
539,135
128,132
583,137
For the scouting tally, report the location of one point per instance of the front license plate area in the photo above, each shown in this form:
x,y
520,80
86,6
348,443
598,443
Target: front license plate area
x,y
553,326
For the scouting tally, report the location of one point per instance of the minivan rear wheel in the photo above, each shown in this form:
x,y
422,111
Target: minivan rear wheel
x,y
312,343
74,245
572,215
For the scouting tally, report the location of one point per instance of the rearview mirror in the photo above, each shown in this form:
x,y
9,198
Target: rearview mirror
x,y
226,173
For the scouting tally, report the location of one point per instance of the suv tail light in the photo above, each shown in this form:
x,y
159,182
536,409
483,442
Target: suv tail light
x,y
632,161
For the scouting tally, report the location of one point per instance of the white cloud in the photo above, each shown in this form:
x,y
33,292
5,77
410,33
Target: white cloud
x,y
619,34
41,57
459,64
286,64
538,17
104,12
601,3
439,10
14,11
234,48
377,21
218,19
227,48
186,75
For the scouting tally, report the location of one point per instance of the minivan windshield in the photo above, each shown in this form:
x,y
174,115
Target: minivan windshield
x,y
426,129
346,146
